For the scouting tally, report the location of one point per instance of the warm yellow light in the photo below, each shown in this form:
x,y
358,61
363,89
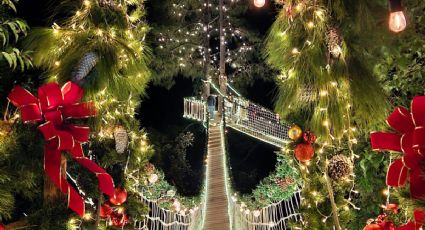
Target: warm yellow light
x,y
87,216
310,24
295,51
87,3
57,63
385,192
78,13
259,3
397,21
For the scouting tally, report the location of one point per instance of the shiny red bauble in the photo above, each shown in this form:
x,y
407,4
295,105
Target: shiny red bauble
x,y
119,220
304,152
105,211
120,196
373,227
2,227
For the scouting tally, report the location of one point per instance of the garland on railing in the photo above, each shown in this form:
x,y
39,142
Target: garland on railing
x,y
278,186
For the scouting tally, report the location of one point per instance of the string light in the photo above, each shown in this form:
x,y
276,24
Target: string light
x,y
397,20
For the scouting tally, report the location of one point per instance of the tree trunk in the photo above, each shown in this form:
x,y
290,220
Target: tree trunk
x,y
333,204
207,88
52,193
222,78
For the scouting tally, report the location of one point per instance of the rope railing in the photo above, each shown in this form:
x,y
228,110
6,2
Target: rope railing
x,y
195,109
256,121
272,217
159,218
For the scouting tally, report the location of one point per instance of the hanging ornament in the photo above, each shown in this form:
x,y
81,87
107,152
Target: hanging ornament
x,y
119,197
397,20
153,178
284,183
309,137
339,167
121,139
2,227
149,168
295,132
105,210
304,152
85,65
259,3
373,227
333,42
119,220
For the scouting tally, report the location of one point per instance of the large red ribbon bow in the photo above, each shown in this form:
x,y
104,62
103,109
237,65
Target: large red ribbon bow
x,y
410,140
54,105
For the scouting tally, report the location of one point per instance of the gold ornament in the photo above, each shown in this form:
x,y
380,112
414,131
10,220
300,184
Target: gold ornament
x,y
295,132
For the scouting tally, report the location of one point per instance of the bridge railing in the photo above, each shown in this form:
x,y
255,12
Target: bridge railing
x,y
164,219
256,121
195,109
276,216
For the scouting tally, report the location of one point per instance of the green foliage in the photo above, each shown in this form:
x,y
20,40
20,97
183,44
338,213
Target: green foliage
x,y
11,30
172,158
268,191
21,167
298,48
104,30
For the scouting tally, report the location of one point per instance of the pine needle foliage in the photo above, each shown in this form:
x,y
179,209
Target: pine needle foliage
x,y
114,32
298,47
12,29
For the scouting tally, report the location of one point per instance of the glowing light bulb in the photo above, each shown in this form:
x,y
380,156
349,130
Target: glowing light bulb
x,y
259,3
397,21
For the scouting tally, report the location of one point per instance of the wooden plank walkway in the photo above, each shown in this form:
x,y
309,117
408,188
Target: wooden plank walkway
x,y
217,217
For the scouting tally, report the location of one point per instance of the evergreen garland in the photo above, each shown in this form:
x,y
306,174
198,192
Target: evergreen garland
x,y
297,46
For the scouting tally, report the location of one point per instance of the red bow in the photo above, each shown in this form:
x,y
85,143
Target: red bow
x,y
53,106
410,140
419,218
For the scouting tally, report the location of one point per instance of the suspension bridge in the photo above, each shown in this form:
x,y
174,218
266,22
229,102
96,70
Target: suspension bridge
x,y
220,209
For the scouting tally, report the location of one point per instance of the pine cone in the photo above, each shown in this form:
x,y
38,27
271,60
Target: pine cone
x,y
334,42
284,183
149,168
121,139
307,94
5,128
339,167
85,65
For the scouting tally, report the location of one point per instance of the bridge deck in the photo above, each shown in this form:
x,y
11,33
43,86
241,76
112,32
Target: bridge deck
x,y
217,217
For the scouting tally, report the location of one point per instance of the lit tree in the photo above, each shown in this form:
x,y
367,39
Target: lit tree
x,y
326,80
101,47
187,41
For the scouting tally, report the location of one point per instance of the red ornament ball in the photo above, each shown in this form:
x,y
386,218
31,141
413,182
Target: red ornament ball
x,y
373,227
2,227
105,211
309,137
304,152
120,196
119,220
